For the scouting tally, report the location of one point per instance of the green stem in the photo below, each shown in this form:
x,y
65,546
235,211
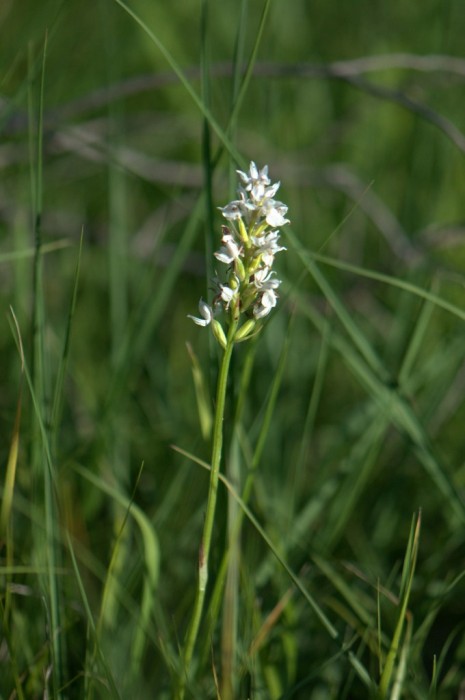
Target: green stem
x,y
204,551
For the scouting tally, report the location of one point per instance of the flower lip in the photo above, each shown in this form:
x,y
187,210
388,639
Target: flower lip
x,y
205,311
263,279
274,212
267,242
227,294
268,300
232,211
229,251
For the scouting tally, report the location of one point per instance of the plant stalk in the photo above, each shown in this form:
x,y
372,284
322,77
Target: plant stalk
x,y
205,544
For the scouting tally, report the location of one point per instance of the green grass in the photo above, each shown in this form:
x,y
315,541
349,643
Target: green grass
x,y
337,559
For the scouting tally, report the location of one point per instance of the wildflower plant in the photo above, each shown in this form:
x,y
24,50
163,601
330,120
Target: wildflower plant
x,y
245,297
250,242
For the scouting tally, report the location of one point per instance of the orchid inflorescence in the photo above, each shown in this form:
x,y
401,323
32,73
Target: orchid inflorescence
x,y
250,242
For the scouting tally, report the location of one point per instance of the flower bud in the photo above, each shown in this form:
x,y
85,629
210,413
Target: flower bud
x,y
219,334
245,330
233,281
243,231
239,269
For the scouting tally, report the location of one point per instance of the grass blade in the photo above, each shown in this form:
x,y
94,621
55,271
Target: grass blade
x,y
406,587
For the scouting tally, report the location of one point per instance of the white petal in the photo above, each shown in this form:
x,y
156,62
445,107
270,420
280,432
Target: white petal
x,y
267,302
258,192
205,311
269,298
198,321
244,177
229,252
261,311
231,211
267,258
253,171
271,191
264,175
223,256
227,293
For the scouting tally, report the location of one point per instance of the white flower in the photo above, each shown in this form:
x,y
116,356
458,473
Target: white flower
x,y
267,302
257,183
255,178
233,210
273,212
229,251
227,294
263,279
206,312
267,246
256,194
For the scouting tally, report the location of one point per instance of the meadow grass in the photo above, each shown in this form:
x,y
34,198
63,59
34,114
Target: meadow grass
x,y
336,549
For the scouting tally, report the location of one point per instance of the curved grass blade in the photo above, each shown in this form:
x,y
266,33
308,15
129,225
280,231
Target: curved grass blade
x,y
151,555
184,81
387,279
59,384
393,404
90,621
8,489
328,626
408,573
30,252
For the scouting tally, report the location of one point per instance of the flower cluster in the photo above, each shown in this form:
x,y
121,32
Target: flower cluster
x,y
250,242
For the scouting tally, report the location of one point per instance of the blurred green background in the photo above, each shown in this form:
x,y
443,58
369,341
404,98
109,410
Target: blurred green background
x,y
358,109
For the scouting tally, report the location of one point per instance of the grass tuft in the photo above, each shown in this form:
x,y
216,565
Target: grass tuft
x,y
341,426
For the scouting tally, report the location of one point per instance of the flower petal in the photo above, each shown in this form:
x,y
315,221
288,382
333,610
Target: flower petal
x,y
205,311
